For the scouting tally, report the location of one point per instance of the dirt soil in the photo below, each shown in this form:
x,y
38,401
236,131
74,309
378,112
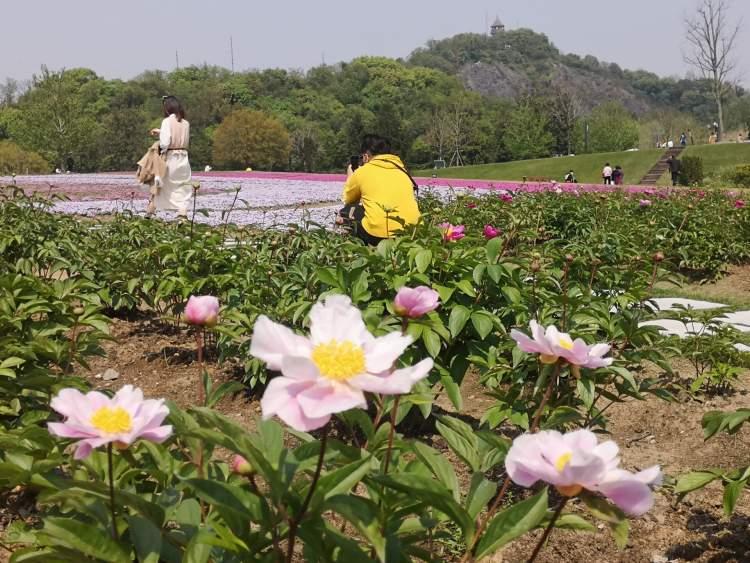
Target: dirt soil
x,y
161,360
162,363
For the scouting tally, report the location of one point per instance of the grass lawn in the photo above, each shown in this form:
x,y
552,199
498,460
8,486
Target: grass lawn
x,y
588,166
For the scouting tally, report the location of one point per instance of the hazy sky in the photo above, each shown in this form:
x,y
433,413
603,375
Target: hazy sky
x,y
121,39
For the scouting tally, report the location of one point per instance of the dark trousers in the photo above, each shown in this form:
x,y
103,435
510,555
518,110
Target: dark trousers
x,y
353,215
675,178
607,180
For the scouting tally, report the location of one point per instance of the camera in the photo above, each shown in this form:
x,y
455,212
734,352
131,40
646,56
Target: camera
x,y
355,162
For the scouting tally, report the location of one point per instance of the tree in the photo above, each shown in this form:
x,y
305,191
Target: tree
x,y
55,121
527,134
251,138
612,128
438,135
712,40
564,109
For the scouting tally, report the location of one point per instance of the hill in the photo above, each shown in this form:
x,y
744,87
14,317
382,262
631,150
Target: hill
x,y
513,62
588,166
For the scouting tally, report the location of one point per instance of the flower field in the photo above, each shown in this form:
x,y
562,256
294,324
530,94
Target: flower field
x,y
500,383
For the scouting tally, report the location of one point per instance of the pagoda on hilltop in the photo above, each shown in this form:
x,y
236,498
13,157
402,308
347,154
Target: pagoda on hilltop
x,y
497,27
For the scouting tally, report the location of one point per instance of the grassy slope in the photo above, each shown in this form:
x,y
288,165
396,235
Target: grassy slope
x,y
588,166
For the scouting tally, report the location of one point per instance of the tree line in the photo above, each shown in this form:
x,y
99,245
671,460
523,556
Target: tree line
x,y
313,121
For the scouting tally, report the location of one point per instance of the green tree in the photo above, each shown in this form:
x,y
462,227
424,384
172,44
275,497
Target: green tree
x,y
55,121
251,138
612,128
527,134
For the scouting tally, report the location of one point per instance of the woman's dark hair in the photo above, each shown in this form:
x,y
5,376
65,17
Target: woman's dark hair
x,y
375,145
173,106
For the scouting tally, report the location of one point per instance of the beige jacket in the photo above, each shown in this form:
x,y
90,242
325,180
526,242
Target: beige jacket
x,y
152,166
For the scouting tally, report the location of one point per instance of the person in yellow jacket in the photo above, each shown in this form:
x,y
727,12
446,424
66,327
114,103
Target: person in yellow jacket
x,y
384,189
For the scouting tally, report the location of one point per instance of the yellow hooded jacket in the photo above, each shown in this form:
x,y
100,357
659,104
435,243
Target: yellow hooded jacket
x,y
380,185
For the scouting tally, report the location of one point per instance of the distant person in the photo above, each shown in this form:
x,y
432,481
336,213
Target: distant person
x,y
683,139
674,169
570,178
690,136
618,176
607,174
740,139
380,195
670,144
712,138
175,193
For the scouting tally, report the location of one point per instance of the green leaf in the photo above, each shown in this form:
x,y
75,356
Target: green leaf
x,y
453,390
439,466
458,318
620,531
513,523
363,515
85,538
574,522
240,502
695,480
511,294
146,539
340,481
431,341
482,322
731,494
586,390
422,260
493,249
481,491
466,288
431,492
461,439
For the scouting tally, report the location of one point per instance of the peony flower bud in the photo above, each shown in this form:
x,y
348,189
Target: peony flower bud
x,y
658,257
241,466
491,232
202,310
414,303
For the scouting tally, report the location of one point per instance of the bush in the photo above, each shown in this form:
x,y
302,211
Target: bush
x,y
251,138
737,176
691,171
15,160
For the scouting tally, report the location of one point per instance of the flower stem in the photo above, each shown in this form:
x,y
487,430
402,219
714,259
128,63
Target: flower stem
x,y
294,523
394,413
545,398
199,340
548,530
110,471
469,555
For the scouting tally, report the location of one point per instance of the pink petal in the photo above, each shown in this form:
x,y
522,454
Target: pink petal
x,y
651,476
327,398
526,344
581,440
280,399
398,382
272,341
336,319
65,430
299,369
157,435
631,495
382,352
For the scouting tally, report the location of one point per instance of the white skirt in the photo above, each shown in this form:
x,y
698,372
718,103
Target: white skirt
x,y
176,192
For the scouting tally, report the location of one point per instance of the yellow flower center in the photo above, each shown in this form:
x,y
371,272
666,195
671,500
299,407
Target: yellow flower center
x,y
563,461
112,421
565,343
448,232
339,360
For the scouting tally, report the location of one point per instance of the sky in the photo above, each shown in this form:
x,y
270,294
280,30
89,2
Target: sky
x,y
120,39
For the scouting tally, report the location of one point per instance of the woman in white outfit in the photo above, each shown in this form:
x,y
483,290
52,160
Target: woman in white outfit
x,y
175,193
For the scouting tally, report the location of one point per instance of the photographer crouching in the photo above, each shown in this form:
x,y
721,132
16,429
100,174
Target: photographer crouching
x,y
379,194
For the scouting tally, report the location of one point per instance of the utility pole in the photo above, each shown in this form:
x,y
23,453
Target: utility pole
x,y
231,51
177,59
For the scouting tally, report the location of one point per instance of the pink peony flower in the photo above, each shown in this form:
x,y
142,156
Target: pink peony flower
x,y
241,466
645,203
414,303
576,461
739,204
452,232
552,345
471,205
491,232
97,419
202,310
506,197
329,371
